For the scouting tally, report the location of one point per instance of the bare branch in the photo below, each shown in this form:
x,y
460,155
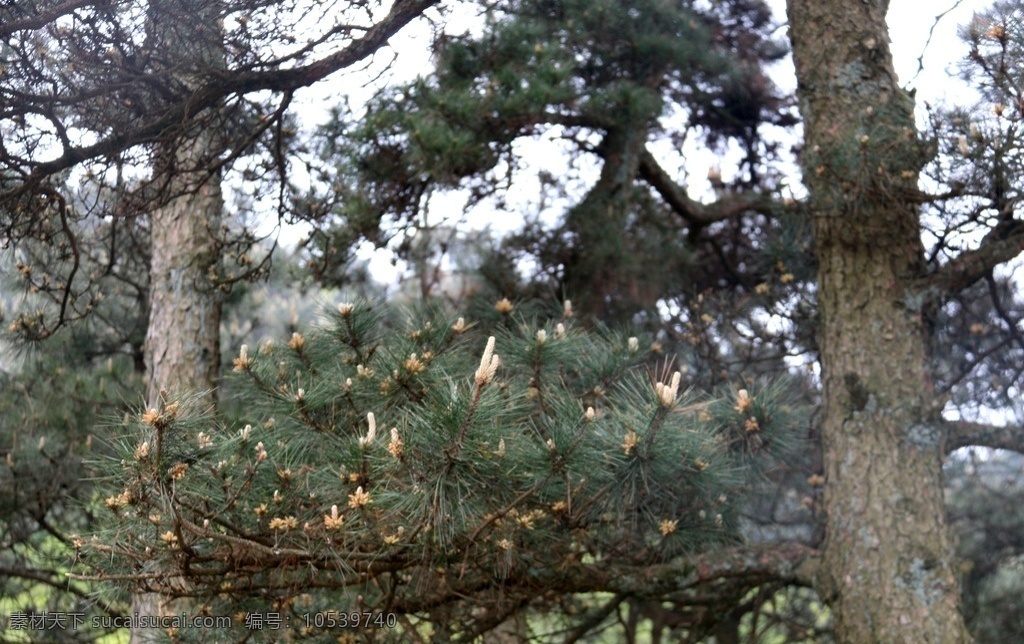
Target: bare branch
x,y
965,434
787,562
716,572
57,580
228,83
695,213
40,20
972,265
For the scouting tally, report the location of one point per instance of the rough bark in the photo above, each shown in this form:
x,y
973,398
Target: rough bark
x,y
182,343
888,562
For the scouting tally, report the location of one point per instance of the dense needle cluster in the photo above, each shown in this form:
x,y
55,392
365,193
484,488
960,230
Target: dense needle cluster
x,y
392,462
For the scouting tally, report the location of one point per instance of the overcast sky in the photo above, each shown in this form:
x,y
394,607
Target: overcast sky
x,y
909,25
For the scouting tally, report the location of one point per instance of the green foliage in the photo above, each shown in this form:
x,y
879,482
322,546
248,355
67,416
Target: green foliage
x,y
392,457
51,425
581,63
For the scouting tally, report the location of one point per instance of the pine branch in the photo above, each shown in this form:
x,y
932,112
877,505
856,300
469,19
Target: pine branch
x,y
469,487
753,565
715,573
226,84
965,434
973,265
693,212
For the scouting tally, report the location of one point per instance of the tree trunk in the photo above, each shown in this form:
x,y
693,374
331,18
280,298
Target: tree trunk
x,y
183,337
888,568
600,268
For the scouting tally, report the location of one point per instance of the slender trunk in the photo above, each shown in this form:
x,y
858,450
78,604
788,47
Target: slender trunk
x,y
888,563
182,342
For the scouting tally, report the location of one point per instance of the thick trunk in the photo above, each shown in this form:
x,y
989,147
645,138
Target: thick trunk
x,y
888,572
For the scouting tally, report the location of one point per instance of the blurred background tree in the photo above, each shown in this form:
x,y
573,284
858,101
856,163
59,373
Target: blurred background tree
x,y
597,82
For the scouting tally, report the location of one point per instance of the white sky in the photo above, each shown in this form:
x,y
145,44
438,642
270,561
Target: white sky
x,y
909,26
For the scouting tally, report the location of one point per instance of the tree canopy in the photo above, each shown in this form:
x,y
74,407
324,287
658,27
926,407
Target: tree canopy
x,y
607,78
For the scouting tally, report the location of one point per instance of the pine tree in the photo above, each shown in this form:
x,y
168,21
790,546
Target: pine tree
x,y
117,118
392,464
606,77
